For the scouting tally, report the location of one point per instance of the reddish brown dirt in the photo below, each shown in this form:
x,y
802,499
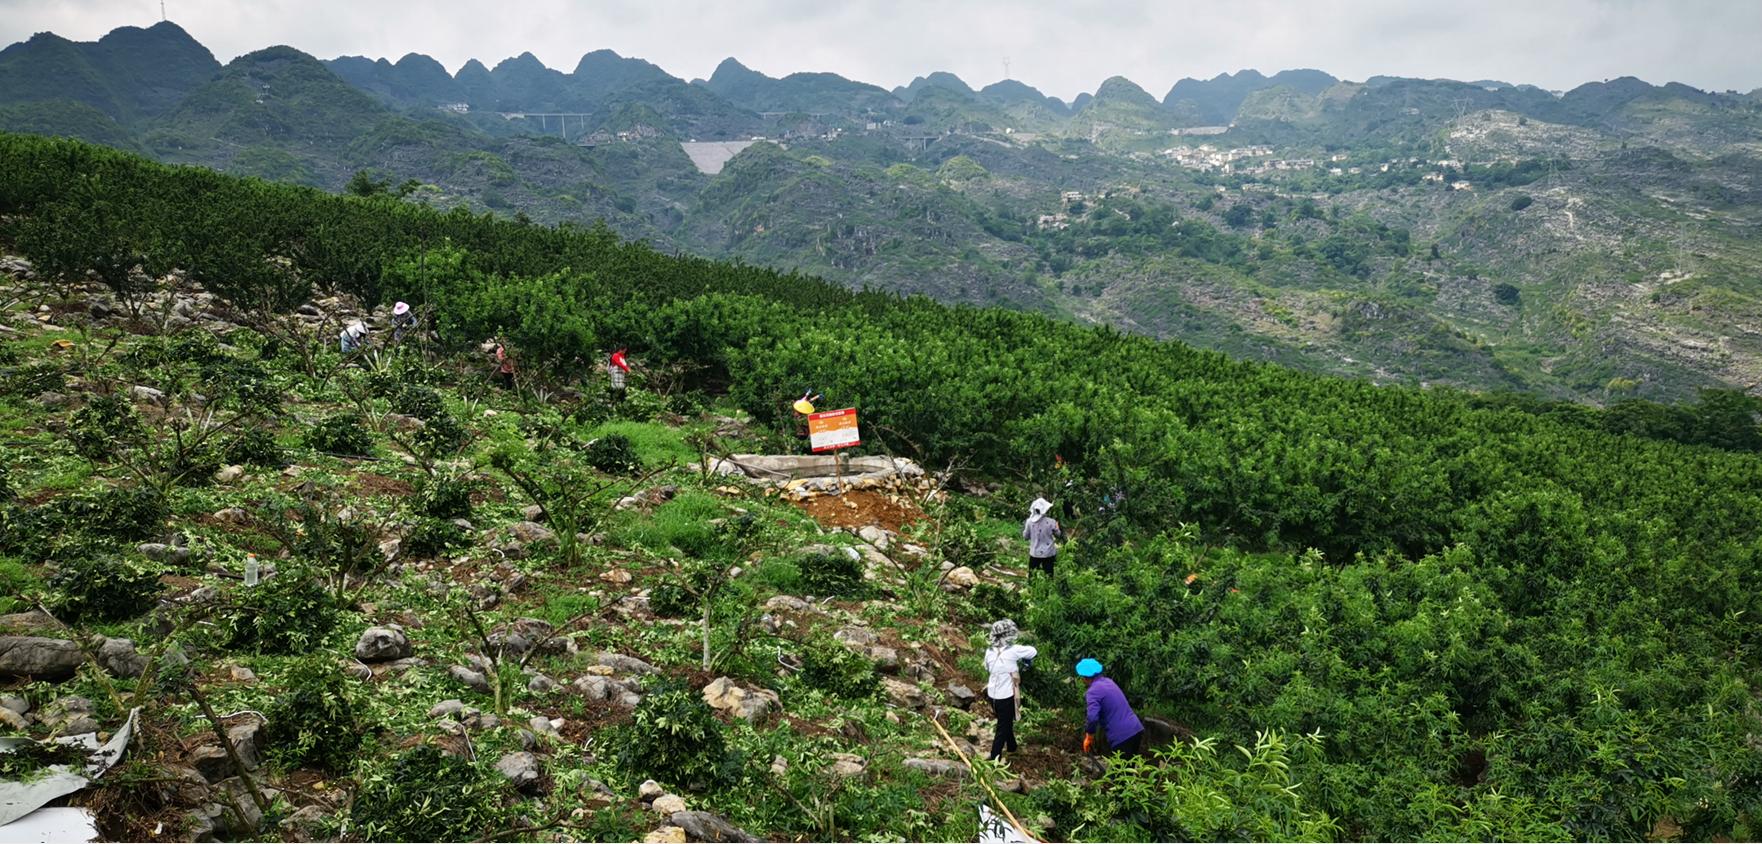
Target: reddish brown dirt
x,y
382,486
871,508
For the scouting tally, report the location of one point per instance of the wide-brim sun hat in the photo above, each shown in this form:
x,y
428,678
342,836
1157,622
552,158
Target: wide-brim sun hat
x,y
1088,668
401,308
804,407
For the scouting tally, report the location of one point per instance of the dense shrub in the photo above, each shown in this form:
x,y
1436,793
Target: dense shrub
x,y
441,432
835,669
314,721
432,537
671,598
253,447
290,613
831,573
676,739
101,587
33,378
613,454
107,424
344,433
445,496
426,795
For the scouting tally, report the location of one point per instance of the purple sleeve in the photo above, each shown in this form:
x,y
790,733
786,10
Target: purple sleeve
x,y
1094,700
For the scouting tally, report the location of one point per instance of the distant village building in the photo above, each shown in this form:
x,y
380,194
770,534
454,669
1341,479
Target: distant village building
x,y
1071,197
456,108
1200,130
1433,177
1461,186
1053,221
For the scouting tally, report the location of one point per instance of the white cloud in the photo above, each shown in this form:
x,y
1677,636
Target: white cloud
x,y
1062,48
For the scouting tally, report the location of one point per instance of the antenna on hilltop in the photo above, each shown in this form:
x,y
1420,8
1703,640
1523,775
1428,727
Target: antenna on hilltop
x,y
1005,63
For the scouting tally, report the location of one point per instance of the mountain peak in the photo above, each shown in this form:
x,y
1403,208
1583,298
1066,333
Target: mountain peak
x,y
1121,88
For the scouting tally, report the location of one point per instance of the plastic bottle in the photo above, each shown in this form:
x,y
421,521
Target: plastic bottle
x,y
251,569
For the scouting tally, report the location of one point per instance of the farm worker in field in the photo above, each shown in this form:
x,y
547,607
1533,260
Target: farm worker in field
x,y
617,367
1003,686
354,336
402,321
1109,711
1041,529
503,361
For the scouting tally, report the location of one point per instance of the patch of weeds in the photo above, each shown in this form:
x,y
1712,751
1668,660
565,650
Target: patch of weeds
x,y
675,525
16,580
30,761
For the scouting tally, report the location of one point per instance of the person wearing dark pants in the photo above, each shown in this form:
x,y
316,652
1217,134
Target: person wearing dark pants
x,y
1041,530
1109,712
1003,684
1004,739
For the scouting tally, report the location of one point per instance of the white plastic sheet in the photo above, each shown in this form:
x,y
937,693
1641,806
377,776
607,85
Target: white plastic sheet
x,y
21,799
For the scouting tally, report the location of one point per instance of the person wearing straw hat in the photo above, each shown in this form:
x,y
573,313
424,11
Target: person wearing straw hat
x,y
354,336
1041,530
1109,712
1003,684
402,321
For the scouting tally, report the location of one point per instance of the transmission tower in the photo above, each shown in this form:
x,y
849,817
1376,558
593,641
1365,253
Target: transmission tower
x,y
1006,67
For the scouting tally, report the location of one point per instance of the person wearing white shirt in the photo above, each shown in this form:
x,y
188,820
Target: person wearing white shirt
x,y
1003,684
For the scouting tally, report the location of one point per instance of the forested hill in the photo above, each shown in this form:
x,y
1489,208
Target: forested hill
x,y
1596,245
1421,614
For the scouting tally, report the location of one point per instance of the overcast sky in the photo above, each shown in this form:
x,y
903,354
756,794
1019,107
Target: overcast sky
x,y
1060,46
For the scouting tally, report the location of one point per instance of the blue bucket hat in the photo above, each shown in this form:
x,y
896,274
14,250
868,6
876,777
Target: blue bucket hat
x,y
1088,668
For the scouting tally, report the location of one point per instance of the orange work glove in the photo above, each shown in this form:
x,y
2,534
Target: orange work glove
x,y
1088,742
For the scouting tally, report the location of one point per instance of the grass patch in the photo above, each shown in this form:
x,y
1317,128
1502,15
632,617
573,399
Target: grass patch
x,y
680,523
655,443
16,579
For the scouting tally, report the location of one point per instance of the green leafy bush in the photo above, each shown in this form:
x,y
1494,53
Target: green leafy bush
x,y
613,454
426,795
101,587
446,496
676,739
671,599
831,573
314,721
107,424
835,669
432,537
344,433
33,378
253,447
290,613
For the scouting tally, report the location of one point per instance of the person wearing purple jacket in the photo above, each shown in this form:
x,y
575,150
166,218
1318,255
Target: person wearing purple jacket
x,y
1109,711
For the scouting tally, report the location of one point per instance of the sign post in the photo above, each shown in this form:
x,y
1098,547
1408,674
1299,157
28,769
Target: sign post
x,y
831,431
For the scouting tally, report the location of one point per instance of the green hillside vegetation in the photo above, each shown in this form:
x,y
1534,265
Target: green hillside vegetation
x,y
1631,260
1420,613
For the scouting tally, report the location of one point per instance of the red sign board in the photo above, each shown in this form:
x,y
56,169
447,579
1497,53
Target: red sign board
x,y
833,430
